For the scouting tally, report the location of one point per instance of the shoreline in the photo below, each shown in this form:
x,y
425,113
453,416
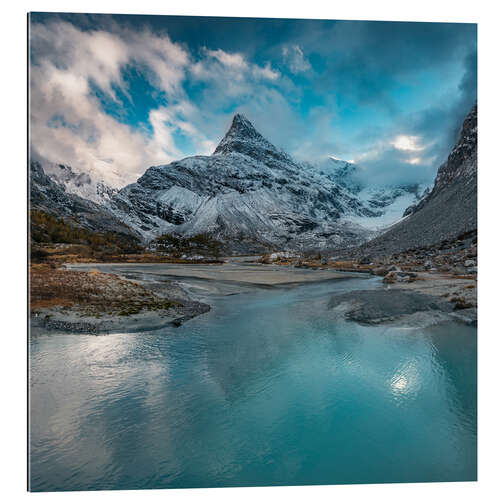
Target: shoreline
x,y
128,297
97,302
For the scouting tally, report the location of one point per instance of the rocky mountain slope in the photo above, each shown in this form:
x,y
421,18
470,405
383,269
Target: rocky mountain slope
x,y
253,197
448,211
49,196
82,184
344,173
248,194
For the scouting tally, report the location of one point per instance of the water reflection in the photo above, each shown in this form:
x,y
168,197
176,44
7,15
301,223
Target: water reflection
x,y
406,380
268,388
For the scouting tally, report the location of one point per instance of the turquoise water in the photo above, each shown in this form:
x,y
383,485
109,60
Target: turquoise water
x,y
269,388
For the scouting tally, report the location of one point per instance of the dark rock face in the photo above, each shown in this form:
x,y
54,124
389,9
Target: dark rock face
x,y
49,196
462,161
449,210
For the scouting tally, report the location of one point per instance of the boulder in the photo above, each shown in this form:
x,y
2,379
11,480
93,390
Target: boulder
x,y
390,277
379,271
399,277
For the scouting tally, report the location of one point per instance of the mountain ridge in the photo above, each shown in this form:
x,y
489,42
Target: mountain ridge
x,y
242,137
247,190
252,196
448,211
50,197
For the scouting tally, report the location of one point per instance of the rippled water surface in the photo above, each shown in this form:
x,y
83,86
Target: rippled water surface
x,y
269,388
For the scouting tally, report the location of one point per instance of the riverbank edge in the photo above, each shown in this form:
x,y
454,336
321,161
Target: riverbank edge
x,y
96,302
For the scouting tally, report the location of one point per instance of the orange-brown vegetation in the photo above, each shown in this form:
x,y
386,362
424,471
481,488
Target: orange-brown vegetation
x,y
90,292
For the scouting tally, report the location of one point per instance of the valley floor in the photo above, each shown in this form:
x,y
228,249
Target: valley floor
x,y
100,298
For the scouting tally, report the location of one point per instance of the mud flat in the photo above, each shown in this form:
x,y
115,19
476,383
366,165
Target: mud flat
x,y
104,298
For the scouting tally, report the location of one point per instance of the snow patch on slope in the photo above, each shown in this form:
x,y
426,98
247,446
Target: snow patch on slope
x,y
390,214
82,184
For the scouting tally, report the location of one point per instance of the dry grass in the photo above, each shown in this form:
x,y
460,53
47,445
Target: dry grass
x,y
90,292
65,253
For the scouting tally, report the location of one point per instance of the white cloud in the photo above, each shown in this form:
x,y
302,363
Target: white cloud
x,y
265,72
407,143
231,70
294,58
68,124
415,160
233,61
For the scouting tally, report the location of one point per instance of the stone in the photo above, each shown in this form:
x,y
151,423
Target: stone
x,y
390,277
379,271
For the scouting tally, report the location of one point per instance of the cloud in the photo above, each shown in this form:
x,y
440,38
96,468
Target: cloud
x,y
233,61
76,71
389,95
407,143
294,58
68,123
230,70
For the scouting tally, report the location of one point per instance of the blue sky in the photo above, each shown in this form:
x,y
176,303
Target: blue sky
x,y
113,95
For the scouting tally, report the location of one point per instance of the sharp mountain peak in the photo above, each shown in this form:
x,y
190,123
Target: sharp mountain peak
x,y
241,125
242,137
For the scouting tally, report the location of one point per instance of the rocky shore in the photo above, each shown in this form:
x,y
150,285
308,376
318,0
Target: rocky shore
x,y
387,306
438,281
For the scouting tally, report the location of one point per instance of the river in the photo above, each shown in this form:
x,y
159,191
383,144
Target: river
x,y
269,388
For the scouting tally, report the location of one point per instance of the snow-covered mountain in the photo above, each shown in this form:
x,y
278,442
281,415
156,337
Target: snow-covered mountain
x,y
50,197
391,203
344,173
387,203
248,194
81,184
